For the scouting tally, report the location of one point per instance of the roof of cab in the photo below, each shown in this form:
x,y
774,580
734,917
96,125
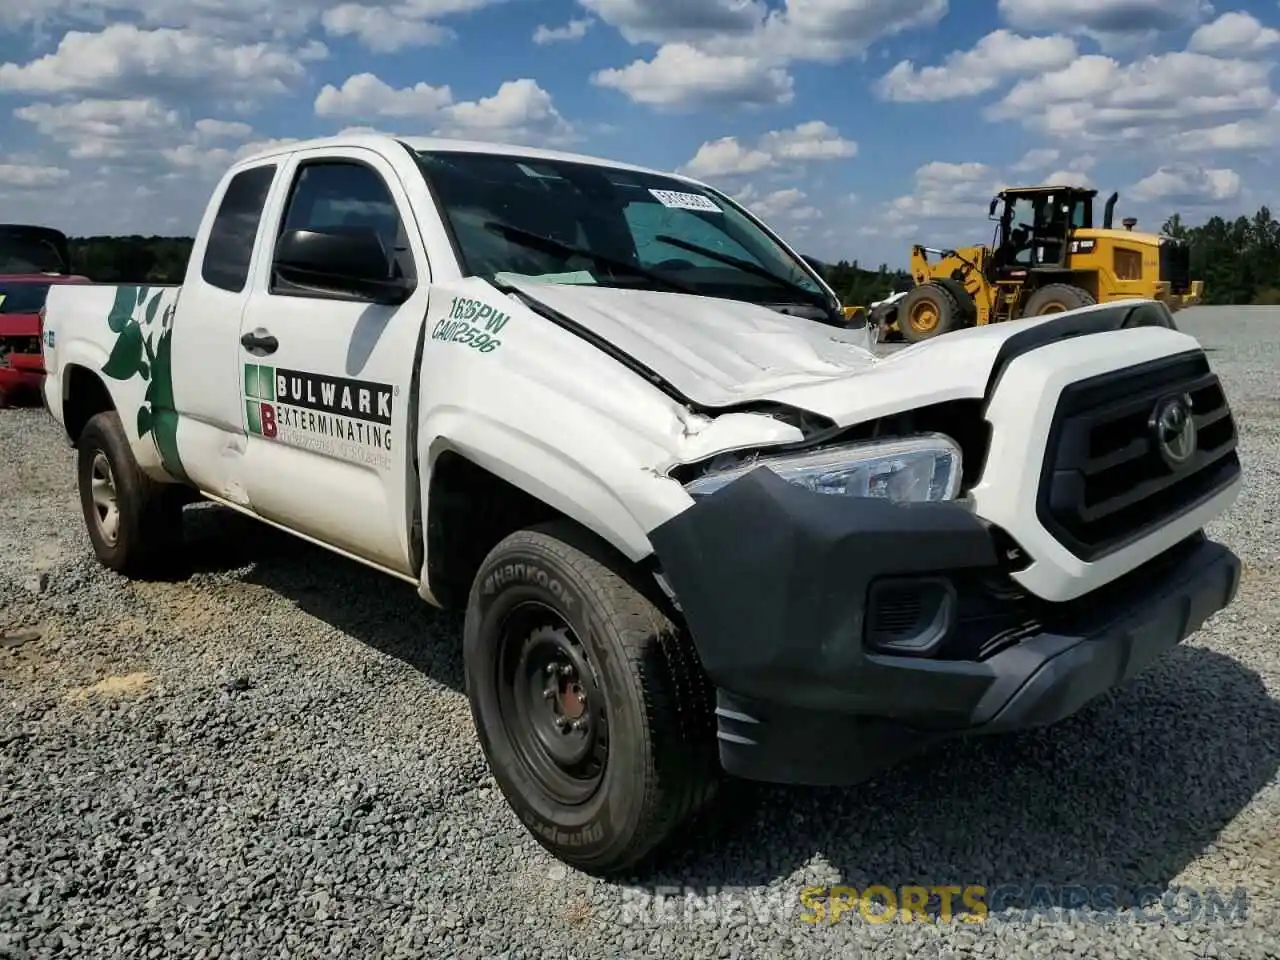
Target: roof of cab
x,y
382,141
1050,188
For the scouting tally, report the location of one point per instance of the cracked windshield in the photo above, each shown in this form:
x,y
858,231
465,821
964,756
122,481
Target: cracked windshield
x,y
565,222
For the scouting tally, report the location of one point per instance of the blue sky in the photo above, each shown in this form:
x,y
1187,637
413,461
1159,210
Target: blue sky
x,y
855,126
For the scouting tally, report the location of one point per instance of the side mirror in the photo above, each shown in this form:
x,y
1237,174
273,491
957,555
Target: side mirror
x,y
350,260
991,210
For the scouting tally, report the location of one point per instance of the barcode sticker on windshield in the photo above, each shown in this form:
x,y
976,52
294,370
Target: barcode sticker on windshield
x,y
685,201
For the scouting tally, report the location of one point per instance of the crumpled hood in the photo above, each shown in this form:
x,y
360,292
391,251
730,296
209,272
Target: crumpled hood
x,y
717,352
723,352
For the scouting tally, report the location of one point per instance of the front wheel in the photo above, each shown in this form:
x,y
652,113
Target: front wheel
x,y
589,702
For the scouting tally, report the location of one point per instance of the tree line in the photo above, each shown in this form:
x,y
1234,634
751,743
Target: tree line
x,y
1239,261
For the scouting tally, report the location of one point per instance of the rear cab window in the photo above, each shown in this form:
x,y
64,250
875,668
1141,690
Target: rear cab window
x,y
235,228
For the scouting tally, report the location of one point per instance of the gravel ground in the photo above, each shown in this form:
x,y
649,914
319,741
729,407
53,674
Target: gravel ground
x,y
272,757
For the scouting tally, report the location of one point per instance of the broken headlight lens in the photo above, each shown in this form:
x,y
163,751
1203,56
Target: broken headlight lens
x,y
905,470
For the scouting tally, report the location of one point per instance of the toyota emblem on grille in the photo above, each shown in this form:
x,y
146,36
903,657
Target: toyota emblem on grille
x,y
1174,430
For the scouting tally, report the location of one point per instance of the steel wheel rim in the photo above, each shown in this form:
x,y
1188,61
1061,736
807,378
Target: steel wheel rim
x,y
550,704
106,500
924,316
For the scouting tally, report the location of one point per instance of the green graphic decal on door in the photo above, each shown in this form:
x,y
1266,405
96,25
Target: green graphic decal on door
x,y
144,332
260,395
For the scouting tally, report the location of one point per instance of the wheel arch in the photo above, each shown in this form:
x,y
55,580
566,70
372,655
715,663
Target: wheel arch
x,y
84,395
472,502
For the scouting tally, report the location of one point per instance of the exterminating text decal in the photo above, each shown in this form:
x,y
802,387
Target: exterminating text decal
x,y
336,416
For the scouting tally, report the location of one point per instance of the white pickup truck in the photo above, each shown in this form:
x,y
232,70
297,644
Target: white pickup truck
x,y
696,527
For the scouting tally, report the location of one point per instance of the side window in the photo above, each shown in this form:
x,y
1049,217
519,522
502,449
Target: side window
x,y
235,227
332,194
648,220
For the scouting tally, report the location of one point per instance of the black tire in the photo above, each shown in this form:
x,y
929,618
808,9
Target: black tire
x,y
1056,298
147,526
968,309
647,742
929,310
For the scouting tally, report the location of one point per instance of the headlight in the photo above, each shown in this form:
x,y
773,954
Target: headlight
x,y
913,469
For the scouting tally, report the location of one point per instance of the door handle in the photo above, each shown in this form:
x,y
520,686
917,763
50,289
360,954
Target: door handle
x,y
260,342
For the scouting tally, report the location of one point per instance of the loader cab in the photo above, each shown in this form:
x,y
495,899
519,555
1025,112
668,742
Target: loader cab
x,y
1034,225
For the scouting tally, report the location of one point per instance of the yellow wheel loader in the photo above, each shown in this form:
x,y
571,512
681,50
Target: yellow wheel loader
x,y
1046,257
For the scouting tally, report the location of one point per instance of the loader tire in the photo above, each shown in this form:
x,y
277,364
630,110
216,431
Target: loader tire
x,y
968,314
134,523
589,702
1056,298
929,310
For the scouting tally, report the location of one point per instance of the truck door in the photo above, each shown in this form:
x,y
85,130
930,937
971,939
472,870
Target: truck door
x,y
327,378
203,353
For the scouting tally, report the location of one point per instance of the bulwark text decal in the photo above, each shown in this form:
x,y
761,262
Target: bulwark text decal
x,y
343,418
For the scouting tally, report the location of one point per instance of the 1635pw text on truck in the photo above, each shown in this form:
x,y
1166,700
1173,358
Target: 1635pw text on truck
x,y
696,527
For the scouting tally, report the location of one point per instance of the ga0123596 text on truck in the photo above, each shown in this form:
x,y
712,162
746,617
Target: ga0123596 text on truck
x,y
696,527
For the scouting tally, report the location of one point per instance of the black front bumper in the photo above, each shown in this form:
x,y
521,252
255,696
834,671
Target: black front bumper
x,y
778,587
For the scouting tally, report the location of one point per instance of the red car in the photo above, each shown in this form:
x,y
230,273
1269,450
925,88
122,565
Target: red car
x,y
22,299
32,259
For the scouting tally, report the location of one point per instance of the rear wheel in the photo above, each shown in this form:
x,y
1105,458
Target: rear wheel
x,y
928,311
589,702
134,523
1057,298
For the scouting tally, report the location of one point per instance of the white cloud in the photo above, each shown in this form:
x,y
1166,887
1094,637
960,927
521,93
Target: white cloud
x,y
573,30
104,128
775,204
211,163
1234,35
366,95
1261,134
382,29
1038,158
831,30
520,110
738,51
1110,21
1068,178
125,60
683,77
947,191
726,157
1185,185
382,26
997,56
814,140
676,21
223,129
1098,99
30,176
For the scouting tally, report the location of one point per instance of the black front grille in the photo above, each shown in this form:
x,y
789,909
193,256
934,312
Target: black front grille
x,y
1175,265
1104,483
